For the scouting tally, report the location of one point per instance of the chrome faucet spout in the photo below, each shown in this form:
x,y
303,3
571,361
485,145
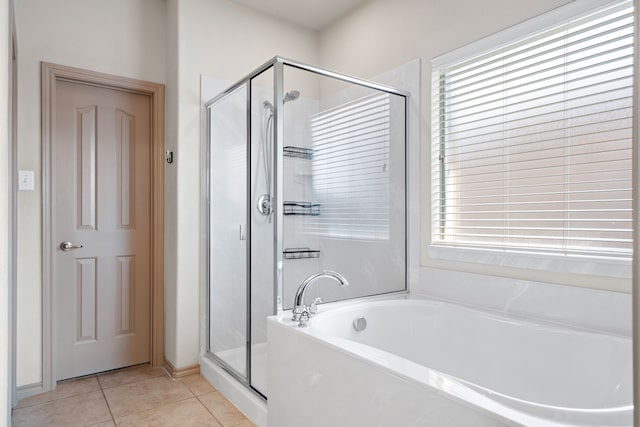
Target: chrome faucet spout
x,y
298,305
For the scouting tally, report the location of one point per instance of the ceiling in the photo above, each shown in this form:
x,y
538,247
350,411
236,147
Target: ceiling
x,y
312,14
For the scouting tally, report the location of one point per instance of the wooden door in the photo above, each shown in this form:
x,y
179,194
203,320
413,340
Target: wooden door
x,y
101,208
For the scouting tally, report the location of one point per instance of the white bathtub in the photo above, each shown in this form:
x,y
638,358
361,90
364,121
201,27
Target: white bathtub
x,y
423,363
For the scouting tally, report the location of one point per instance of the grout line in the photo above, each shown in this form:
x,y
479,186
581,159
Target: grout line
x,y
99,383
188,388
209,411
104,396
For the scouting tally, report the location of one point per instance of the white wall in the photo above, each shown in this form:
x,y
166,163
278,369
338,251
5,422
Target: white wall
x,y
123,37
227,41
171,184
5,188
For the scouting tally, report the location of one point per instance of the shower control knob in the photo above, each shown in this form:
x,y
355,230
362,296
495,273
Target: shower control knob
x,y
264,205
303,321
313,308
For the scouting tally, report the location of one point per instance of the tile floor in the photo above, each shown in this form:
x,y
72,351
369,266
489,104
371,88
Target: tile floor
x,y
136,396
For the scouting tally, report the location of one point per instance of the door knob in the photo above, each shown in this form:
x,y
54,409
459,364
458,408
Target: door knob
x,y
67,246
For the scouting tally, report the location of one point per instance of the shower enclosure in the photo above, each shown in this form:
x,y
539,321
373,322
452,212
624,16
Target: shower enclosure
x,y
305,172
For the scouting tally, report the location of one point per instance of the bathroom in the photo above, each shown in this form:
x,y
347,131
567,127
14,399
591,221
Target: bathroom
x,y
189,45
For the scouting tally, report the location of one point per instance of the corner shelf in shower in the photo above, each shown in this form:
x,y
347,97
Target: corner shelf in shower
x,y
297,152
301,208
300,253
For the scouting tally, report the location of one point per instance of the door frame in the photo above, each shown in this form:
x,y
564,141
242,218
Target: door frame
x,y
50,75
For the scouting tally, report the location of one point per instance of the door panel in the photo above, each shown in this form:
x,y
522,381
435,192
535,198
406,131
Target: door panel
x,y
228,229
101,170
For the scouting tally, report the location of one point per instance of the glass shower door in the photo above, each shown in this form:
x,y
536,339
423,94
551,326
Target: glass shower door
x,y
242,217
228,230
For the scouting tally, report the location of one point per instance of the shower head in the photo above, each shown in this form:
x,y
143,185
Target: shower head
x,y
292,95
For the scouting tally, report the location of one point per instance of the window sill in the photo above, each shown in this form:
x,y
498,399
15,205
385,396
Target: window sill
x,y
586,265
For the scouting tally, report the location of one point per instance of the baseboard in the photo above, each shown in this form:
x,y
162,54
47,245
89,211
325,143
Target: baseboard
x,y
28,390
180,372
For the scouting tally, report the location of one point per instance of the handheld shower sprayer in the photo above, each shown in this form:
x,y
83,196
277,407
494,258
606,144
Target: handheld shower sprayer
x,y
264,202
292,95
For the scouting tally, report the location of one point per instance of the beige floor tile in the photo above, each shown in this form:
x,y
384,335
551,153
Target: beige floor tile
x,y
66,389
104,424
197,384
245,423
185,413
129,375
223,410
81,410
142,395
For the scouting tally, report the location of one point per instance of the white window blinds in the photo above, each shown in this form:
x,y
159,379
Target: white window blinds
x,y
351,169
531,143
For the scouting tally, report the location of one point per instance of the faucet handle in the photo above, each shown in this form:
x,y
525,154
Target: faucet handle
x,y
304,319
296,312
313,308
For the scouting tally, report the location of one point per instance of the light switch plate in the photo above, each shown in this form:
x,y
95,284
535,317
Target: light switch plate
x,y
26,181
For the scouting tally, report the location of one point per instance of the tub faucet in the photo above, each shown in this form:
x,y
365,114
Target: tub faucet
x,y
301,312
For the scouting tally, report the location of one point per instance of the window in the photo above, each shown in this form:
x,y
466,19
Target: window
x,y
532,141
351,169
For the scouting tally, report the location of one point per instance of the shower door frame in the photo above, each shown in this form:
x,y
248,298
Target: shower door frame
x,y
278,64
206,191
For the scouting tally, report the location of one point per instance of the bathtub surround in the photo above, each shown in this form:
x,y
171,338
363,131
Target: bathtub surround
x,y
422,362
583,308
